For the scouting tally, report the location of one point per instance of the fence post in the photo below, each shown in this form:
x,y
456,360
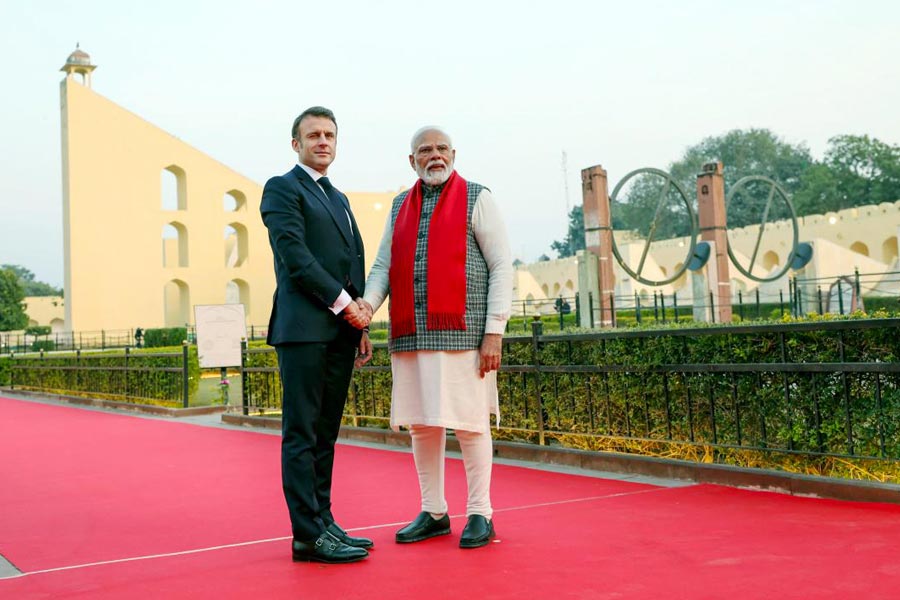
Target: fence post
x,y
591,307
12,370
655,307
741,304
856,282
185,389
712,308
757,303
781,301
127,355
537,329
245,406
675,304
840,296
662,306
41,371
637,308
819,295
561,324
612,310
103,339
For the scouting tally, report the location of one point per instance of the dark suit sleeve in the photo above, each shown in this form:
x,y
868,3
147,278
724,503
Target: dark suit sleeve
x,y
283,217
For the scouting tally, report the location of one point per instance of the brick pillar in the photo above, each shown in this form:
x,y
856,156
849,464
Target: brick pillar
x,y
711,209
598,236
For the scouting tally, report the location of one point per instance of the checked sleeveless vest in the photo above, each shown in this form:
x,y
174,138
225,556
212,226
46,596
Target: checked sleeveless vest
x,y
476,281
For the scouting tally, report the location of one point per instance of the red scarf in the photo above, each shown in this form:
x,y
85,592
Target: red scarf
x,y
446,260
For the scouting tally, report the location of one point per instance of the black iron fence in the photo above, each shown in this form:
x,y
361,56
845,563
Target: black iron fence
x,y
163,378
816,389
104,339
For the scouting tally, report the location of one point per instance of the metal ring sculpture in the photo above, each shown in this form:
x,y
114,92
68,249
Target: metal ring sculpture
x,y
774,188
660,203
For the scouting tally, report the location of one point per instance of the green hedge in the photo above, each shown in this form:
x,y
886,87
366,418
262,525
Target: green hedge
x,y
4,370
162,338
141,384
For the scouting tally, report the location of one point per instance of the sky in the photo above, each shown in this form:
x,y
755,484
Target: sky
x,y
621,84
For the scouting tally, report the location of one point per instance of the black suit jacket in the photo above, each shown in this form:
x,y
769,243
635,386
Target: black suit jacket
x,y
316,256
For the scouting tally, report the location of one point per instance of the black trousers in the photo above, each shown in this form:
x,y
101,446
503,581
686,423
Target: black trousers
x,y
315,378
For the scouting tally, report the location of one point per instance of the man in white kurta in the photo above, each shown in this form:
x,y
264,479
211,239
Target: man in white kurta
x,y
444,355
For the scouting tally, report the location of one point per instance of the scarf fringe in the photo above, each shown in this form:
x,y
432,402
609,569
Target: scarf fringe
x,y
446,321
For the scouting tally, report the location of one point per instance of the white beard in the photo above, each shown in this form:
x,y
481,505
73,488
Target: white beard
x,y
434,177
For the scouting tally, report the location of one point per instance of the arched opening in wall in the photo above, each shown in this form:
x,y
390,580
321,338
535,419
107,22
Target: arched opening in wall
x,y
664,271
859,248
57,325
682,279
174,245
889,250
236,245
570,286
234,201
770,261
556,289
177,303
174,188
238,292
546,290
529,300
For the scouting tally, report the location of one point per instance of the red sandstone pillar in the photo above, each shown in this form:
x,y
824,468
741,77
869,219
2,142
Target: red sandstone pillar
x,y
711,209
598,237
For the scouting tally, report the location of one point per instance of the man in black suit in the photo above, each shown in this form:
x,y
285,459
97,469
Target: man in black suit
x,y
315,329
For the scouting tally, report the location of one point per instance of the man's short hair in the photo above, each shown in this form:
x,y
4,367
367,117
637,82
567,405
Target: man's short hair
x,y
312,111
422,131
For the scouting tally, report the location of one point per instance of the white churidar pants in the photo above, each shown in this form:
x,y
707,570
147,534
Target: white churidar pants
x,y
428,444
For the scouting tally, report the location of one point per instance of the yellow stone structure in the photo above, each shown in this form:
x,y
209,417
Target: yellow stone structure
x,y
152,226
862,238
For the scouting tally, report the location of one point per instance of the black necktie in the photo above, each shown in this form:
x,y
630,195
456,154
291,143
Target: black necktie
x,y
333,195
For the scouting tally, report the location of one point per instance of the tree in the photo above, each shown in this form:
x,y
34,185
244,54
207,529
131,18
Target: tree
x,y
574,240
30,287
12,309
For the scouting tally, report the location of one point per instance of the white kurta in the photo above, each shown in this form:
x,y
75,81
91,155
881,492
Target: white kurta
x,y
444,388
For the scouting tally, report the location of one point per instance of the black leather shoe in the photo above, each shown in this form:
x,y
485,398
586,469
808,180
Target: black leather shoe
x,y
477,532
356,542
326,549
423,527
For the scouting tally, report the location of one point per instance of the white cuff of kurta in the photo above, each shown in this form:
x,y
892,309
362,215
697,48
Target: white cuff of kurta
x,y
495,326
342,302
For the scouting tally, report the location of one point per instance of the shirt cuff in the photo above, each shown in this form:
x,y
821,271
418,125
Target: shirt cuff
x,y
493,325
342,302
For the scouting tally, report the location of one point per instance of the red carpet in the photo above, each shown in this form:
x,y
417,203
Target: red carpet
x,y
80,487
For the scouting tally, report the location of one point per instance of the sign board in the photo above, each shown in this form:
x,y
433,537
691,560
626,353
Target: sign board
x,y
220,329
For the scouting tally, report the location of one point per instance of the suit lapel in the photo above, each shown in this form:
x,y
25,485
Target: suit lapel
x,y
336,212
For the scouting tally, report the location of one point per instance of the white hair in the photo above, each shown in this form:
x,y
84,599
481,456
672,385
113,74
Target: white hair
x,y
417,136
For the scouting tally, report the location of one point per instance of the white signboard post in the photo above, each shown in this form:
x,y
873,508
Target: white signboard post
x,y
220,329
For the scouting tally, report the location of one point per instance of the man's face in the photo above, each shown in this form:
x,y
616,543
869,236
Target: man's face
x,y
317,143
433,158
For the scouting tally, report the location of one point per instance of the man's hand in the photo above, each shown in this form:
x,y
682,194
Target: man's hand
x,y
489,353
364,352
366,308
356,316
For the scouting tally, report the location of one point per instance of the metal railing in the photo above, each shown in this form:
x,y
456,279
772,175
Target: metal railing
x,y
134,377
812,389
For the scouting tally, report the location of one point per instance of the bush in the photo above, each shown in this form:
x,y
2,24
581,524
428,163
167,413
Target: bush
x,y
4,370
159,338
37,330
102,374
46,345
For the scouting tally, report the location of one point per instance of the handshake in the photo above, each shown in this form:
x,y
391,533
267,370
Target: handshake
x,y
358,313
